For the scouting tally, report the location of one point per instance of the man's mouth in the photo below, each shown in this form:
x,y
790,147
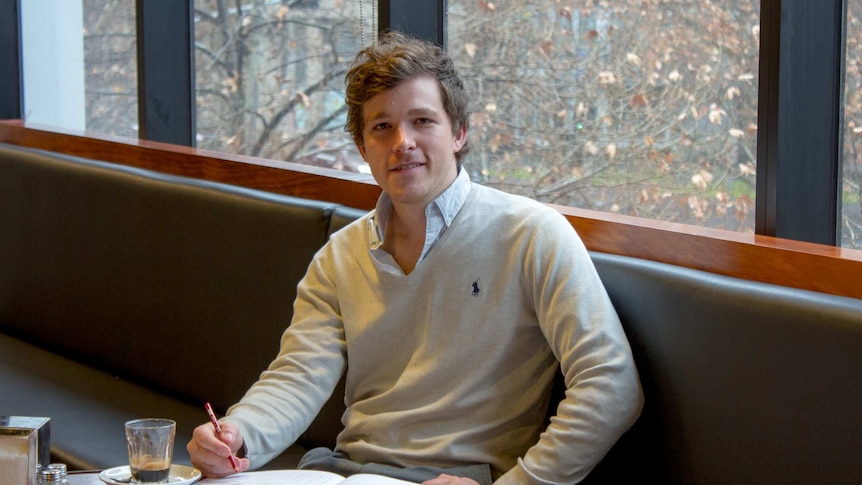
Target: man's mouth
x,y
406,166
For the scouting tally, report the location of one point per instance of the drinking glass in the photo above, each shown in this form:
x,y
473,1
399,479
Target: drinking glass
x,y
151,449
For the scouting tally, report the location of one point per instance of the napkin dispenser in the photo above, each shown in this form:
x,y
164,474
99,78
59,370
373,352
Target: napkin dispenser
x,y
25,442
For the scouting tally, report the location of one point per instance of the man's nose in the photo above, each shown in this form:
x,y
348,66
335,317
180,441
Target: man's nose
x,y
404,139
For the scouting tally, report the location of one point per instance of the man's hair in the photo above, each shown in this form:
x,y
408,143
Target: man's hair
x,y
396,58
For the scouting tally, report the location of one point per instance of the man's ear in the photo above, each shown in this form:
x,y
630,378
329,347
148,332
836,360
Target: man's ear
x,y
361,149
460,138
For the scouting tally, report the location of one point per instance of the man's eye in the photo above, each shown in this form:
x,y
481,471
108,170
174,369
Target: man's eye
x,y
381,126
423,121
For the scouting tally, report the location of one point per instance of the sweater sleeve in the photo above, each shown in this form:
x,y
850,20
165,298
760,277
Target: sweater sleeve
x,y
290,393
603,397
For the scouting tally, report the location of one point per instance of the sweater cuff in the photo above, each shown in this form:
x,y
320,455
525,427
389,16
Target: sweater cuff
x,y
519,475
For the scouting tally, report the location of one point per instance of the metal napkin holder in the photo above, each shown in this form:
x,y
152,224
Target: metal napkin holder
x,y
25,443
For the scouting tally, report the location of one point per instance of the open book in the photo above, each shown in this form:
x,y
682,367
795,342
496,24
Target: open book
x,y
302,477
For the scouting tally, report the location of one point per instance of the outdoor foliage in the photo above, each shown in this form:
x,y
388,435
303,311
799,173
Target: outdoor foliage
x,y
271,77
851,220
644,108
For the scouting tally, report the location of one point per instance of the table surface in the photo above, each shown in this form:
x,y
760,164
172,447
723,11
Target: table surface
x,y
85,479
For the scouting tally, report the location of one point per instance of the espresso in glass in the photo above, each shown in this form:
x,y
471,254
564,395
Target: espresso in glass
x,y
150,470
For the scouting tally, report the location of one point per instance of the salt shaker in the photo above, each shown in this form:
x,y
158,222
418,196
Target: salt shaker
x,y
53,474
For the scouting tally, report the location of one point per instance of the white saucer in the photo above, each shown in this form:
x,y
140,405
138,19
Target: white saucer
x,y
180,475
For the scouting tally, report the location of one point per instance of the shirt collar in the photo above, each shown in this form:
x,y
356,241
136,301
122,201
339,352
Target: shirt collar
x,y
448,204
439,213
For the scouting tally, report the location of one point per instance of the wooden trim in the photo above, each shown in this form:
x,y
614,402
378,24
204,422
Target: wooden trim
x,y
816,267
281,177
797,264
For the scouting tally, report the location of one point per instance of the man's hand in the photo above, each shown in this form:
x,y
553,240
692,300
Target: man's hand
x,y
209,452
450,480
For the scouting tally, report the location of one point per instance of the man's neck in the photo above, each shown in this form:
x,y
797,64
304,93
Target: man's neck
x,y
406,230
405,236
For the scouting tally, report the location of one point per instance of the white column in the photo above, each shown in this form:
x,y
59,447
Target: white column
x,y
53,57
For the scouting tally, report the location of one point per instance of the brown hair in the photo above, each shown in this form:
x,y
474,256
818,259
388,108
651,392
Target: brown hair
x,y
394,59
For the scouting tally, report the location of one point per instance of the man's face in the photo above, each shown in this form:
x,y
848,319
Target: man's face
x,y
408,142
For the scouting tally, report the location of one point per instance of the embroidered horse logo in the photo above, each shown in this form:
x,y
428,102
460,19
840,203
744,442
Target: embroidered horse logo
x,y
476,288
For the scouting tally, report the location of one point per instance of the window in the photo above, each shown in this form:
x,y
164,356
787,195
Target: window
x,y
80,82
644,108
110,66
641,108
270,78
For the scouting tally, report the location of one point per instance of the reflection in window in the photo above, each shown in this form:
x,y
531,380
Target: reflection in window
x,y
270,78
851,204
643,108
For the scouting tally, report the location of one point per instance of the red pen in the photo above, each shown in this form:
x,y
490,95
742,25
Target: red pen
x,y
217,427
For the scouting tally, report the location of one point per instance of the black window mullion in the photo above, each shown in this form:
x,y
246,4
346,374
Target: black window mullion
x,y
425,19
11,84
166,76
767,116
800,119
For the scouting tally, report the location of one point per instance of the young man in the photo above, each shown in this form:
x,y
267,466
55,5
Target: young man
x,y
451,308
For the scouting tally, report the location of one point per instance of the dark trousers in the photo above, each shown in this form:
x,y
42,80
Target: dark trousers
x,y
337,462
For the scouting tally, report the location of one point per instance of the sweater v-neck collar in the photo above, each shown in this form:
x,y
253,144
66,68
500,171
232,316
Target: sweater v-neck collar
x,y
439,215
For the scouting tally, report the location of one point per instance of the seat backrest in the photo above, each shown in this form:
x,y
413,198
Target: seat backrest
x,y
744,382
151,276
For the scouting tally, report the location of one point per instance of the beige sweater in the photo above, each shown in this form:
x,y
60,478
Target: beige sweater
x,y
452,364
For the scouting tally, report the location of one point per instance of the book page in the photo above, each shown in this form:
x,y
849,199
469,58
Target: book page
x,y
368,479
302,477
278,477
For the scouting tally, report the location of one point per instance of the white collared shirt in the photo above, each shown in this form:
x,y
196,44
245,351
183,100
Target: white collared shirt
x,y
438,216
